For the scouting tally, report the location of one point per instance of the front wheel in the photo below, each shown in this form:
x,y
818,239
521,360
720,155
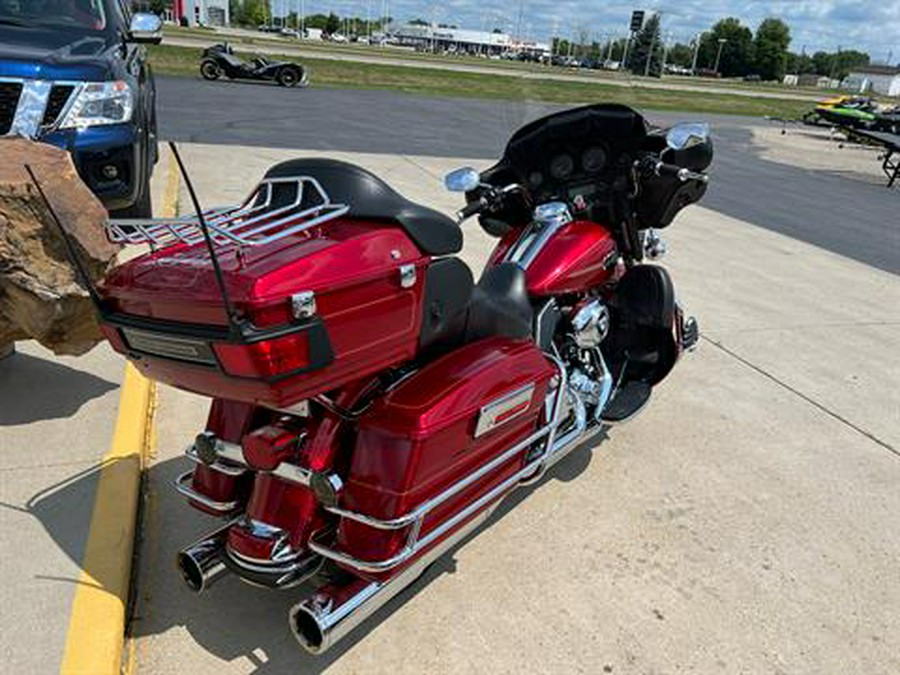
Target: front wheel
x,y
210,70
289,77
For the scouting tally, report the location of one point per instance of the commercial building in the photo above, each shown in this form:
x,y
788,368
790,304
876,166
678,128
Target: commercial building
x,y
462,40
875,78
201,12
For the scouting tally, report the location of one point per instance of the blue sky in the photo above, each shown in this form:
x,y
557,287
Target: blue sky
x,y
872,25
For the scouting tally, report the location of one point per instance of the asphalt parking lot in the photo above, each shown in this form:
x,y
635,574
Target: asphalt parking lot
x,y
745,523
854,218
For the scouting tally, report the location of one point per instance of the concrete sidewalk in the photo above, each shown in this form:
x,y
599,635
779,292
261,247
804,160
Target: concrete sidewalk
x,y
57,417
745,523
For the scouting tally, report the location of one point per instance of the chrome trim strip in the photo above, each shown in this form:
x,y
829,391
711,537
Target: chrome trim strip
x,y
504,409
233,453
182,485
30,108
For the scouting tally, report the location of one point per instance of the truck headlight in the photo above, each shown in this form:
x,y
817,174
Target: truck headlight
x,y
100,103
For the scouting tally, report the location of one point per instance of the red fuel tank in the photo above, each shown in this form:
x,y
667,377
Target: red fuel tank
x,y
581,255
435,428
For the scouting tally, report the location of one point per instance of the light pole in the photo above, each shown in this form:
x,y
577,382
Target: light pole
x,y
722,42
697,41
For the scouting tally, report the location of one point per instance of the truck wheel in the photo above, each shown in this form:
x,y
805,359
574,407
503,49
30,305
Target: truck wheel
x,y
289,77
210,70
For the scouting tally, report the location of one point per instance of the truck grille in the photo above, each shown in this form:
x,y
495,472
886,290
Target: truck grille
x,y
59,96
9,99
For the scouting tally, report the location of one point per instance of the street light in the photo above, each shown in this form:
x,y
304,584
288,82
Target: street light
x,y
697,41
722,42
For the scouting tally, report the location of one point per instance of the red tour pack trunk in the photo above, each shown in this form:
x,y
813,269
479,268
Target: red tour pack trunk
x,y
325,306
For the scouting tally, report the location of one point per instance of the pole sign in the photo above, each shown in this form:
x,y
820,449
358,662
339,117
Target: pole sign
x,y
637,20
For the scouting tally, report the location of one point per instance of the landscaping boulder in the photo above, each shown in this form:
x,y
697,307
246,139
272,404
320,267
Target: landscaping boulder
x,y
41,294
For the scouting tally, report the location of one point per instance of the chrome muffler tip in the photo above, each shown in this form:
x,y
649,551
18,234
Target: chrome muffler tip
x,y
201,564
307,629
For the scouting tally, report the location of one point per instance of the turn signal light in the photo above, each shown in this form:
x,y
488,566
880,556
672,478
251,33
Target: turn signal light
x,y
266,359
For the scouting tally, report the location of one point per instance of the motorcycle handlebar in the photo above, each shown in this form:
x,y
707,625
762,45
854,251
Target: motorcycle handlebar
x,y
661,168
471,209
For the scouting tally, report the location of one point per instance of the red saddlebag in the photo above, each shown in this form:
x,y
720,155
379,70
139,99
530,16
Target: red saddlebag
x,y
434,429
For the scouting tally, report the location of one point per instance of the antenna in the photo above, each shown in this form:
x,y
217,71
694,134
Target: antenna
x,y
70,249
233,321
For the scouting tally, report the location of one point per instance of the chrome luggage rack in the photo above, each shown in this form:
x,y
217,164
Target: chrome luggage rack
x,y
256,221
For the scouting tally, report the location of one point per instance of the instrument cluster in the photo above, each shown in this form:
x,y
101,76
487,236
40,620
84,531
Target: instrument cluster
x,y
570,166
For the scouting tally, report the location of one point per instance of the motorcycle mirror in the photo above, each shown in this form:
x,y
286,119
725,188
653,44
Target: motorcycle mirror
x,y
686,135
465,179
146,28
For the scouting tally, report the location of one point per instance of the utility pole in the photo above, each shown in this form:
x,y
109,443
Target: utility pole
x,y
665,55
697,41
722,42
649,57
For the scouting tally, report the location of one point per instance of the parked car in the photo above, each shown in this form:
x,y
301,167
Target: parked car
x,y
79,79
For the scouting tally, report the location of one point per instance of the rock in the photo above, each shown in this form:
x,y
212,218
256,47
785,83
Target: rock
x,y
41,295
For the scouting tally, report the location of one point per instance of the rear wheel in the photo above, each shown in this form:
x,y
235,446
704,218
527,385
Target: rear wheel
x,y
210,70
289,76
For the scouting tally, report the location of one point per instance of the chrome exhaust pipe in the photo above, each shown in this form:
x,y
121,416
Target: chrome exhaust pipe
x,y
323,619
202,563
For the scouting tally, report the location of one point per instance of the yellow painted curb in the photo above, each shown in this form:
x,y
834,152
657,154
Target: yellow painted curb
x,y
96,635
97,622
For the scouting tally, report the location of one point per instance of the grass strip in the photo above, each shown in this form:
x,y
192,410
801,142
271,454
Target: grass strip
x,y
172,60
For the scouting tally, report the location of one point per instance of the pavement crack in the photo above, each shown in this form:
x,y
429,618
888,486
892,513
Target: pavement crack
x,y
820,406
835,324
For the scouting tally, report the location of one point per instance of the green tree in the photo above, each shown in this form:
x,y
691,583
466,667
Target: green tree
x,y
645,46
680,55
333,23
737,50
845,61
773,37
799,64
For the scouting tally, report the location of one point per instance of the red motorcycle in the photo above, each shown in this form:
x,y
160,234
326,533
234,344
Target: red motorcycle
x,y
371,404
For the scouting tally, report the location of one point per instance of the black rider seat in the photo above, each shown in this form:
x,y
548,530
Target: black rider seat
x,y
370,197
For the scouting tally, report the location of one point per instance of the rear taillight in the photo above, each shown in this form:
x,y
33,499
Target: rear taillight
x,y
266,359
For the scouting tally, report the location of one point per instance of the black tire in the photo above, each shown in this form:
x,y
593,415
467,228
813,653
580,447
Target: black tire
x,y
210,70
289,76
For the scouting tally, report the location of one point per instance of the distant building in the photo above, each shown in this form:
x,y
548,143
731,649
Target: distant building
x,y
461,40
201,12
879,79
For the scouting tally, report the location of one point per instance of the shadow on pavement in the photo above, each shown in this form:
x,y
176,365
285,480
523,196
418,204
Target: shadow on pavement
x,y
233,620
34,389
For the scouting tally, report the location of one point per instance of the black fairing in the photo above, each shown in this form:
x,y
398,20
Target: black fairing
x,y
370,197
624,136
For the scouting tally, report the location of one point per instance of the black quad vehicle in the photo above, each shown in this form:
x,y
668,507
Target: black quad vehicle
x,y
220,60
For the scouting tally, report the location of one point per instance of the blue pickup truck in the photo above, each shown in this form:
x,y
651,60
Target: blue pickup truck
x,y
74,73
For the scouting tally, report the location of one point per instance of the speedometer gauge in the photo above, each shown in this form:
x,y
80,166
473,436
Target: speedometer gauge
x,y
561,167
593,159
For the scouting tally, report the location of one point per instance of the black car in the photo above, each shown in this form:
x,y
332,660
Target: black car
x,y
74,73
220,60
